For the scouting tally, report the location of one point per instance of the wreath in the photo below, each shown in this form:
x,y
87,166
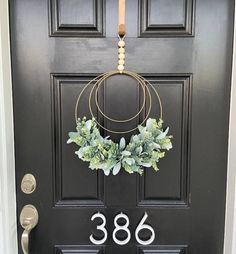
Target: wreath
x,y
144,149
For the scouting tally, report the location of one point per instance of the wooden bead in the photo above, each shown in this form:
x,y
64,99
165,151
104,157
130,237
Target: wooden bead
x,y
121,50
121,67
121,62
121,56
121,43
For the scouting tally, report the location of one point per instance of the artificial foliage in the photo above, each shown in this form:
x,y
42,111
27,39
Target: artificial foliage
x,y
144,150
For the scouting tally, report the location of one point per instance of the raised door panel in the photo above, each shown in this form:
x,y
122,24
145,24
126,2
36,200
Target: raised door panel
x,y
163,250
78,250
74,183
76,18
160,18
73,178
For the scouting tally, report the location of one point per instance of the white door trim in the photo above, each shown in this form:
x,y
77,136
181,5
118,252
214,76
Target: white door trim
x,y
8,232
230,217
8,226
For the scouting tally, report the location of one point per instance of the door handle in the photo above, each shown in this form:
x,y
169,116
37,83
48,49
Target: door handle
x,y
28,219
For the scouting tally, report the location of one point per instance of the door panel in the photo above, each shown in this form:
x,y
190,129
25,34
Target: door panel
x,y
77,18
166,18
184,49
88,190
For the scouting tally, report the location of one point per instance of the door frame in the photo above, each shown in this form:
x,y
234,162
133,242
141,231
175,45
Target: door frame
x,y
230,216
8,221
8,225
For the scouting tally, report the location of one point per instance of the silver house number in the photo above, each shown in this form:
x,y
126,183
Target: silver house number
x,y
125,227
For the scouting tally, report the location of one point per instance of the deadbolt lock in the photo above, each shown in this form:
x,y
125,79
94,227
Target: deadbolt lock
x,y
28,184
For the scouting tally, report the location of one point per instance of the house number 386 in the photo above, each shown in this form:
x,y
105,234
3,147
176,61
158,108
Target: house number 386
x,y
125,227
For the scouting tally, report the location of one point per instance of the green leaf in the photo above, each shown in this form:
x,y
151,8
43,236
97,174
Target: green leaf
x,y
122,143
156,146
127,168
73,135
126,153
80,153
116,168
89,124
135,138
141,128
163,134
167,146
69,141
159,124
146,164
150,123
107,172
154,165
129,161
161,155
139,150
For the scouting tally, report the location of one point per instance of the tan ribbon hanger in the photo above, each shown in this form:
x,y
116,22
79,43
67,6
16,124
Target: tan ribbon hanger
x,y
121,25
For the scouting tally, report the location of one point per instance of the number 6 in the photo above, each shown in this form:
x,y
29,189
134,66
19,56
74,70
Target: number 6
x,y
142,226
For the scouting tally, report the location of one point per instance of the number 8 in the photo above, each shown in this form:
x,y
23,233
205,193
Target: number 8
x,y
119,228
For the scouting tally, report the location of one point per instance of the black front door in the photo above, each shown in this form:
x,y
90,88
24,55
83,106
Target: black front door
x,y
184,48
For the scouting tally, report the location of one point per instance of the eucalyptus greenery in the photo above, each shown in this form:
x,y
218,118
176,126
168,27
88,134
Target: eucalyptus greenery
x,y
143,151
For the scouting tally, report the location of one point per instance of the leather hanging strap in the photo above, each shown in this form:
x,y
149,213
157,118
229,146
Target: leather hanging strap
x,y
121,26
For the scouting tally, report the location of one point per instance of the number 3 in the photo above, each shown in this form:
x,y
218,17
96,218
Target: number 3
x,y
100,227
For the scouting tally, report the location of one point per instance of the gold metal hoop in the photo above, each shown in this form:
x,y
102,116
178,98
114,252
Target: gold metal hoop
x,y
156,93
104,76
127,131
81,93
99,83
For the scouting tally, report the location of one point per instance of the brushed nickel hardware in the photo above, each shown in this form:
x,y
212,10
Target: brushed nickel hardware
x,y
28,184
28,219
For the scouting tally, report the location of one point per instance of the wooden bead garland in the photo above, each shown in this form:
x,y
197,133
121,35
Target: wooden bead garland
x,y
121,55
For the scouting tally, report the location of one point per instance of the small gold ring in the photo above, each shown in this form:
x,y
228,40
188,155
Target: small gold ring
x,y
99,83
127,131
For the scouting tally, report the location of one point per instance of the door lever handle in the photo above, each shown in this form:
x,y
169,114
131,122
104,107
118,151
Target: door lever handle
x,y
28,219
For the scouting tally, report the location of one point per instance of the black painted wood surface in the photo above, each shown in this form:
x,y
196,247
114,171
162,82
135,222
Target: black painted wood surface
x,y
184,47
